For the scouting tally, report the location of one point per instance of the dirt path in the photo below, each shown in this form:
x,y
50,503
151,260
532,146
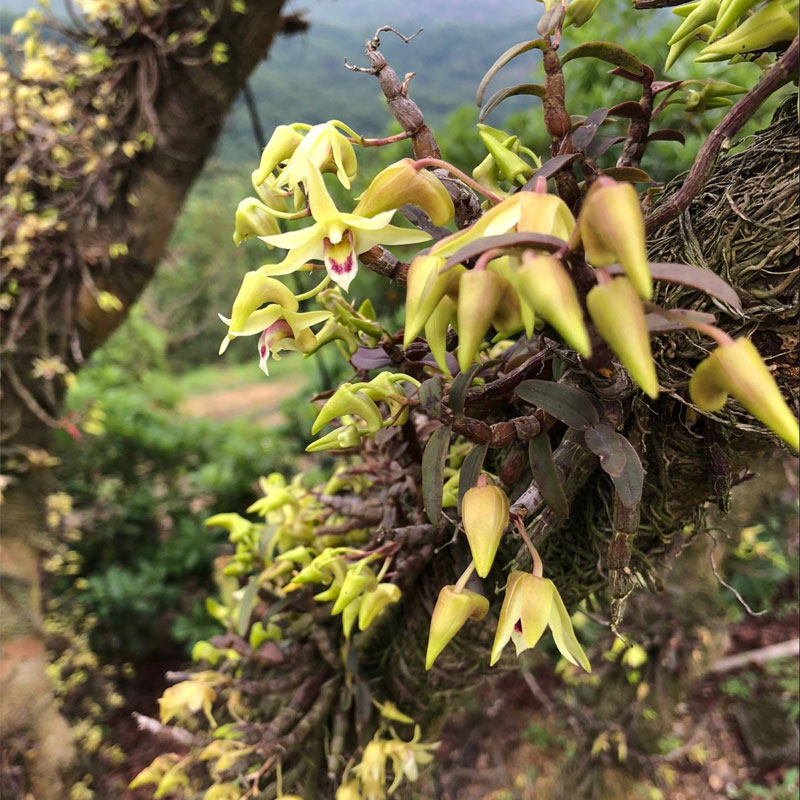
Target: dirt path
x,y
259,402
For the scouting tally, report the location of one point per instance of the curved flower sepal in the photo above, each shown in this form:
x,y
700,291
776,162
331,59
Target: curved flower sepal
x,y
479,292
426,285
401,183
292,332
484,513
508,267
453,608
348,400
385,387
436,332
531,604
253,218
612,231
332,331
343,438
737,369
547,287
618,314
511,165
373,603
335,238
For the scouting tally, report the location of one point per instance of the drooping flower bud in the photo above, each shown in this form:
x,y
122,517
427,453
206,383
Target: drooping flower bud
x,y
359,579
545,213
350,615
401,183
253,219
612,231
345,400
511,166
281,145
340,439
374,602
507,319
532,603
452,610
479,292
547,287
425,287
737,369
618,314
484,512
579,12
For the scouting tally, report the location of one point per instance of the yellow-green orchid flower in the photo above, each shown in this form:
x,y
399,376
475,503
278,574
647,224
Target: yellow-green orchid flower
x,y
531,604
280,329
336,238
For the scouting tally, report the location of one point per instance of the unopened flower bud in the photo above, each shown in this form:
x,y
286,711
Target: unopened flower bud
x,y
425,287
452,610
340,439
479,292
436,331
737,369
253,219
612,231
579,12
547,287
347,401
374,602
511,166
484,512
618,314
401,183
359,579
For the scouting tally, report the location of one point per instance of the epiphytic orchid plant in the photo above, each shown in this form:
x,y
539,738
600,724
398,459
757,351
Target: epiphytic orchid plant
x,y
530,311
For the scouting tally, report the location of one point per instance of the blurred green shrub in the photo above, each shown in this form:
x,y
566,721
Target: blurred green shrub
x,y
143,488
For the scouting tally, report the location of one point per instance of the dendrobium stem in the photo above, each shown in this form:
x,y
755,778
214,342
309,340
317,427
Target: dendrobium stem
x,y
462,176
398,137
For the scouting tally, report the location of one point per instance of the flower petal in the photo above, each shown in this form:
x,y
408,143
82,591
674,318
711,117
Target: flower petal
x,y
564,636
340,260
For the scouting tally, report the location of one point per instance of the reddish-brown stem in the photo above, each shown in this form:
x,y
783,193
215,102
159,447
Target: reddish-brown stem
x,y
782,71
462,176
398,137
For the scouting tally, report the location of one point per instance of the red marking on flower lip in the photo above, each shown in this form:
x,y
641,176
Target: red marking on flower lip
x,y
336,266
518,626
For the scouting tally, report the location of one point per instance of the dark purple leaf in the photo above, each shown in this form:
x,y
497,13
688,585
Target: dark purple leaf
x,y
613,448
658,324
568,404
430,396
629,76
697,277
583,136
470,470
605,51
458,389
629,174
662,86
630,109
510,91
543,469
667,135
550,168
370,358
433,460
601,144
452,364
504,240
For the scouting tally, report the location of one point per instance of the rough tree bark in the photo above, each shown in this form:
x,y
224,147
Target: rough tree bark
x,y
191,104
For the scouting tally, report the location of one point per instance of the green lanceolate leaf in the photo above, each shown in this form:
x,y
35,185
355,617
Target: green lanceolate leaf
x,y
458,389
566,403
505,58
433,460
543,469
470,470
628,174
605,51
510,91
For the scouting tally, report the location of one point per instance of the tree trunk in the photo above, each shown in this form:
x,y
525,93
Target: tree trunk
x,y
190,104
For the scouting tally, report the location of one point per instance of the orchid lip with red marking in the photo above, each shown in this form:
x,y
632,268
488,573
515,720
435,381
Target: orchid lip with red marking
x,y
340,259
